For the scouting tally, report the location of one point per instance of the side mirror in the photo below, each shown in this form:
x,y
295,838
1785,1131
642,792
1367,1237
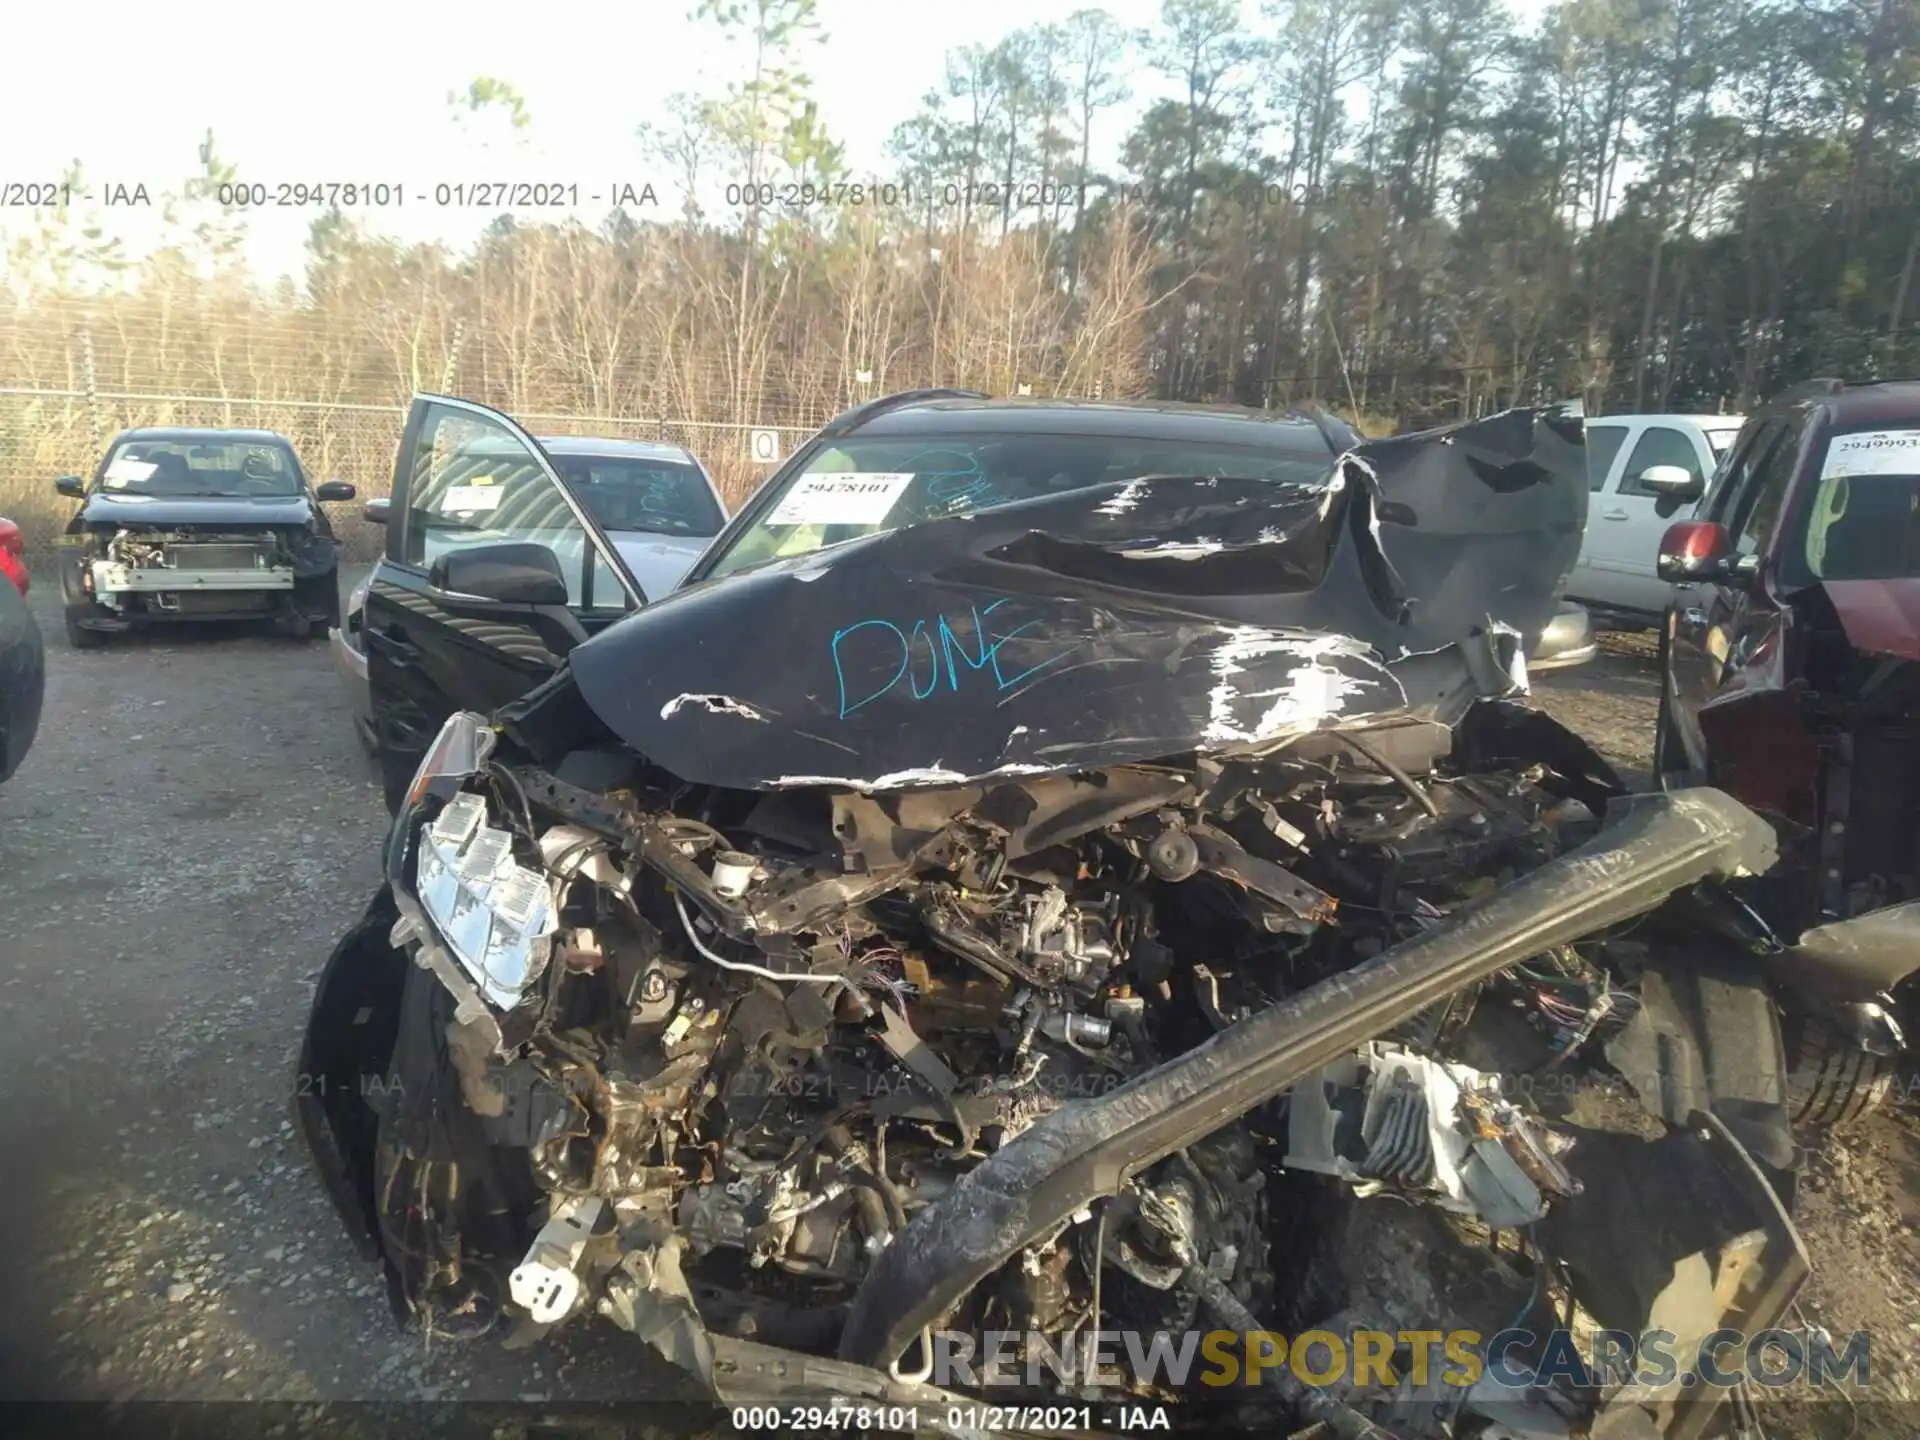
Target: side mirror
x,y
513,579
374,512
1672,486
71,485
1695,550
334,490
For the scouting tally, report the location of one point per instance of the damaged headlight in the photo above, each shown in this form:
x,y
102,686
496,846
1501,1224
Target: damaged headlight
x,y
459,750
493,914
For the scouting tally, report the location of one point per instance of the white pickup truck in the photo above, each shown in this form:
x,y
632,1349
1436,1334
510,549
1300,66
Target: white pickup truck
x,y
1632,460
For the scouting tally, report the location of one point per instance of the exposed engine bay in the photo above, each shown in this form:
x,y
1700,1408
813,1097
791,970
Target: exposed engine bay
x,y
174,572
709,1055
117,575
1344,994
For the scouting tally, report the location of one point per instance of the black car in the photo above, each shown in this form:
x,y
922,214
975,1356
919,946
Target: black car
x,y
899,932
199,524
430,653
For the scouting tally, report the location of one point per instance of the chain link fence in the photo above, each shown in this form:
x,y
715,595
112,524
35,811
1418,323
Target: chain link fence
x,y
46,433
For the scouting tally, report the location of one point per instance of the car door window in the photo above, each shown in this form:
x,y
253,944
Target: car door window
x,y
1729,478
1659,445
1756,505
474,482
1603,443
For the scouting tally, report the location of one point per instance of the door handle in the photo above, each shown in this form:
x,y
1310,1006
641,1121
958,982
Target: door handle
x,y
1614,515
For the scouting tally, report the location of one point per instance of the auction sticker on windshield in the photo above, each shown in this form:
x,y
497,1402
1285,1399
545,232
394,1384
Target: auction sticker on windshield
x,y
1873,452
129,472
470,497
840,499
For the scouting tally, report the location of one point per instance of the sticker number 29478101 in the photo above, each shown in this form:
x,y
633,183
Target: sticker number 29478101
x,y
840,499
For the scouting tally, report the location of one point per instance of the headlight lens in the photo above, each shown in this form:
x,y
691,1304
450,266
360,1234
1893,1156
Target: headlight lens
x,y
459,750
494,914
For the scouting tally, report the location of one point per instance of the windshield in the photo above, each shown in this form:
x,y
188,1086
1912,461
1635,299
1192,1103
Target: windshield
x,y
856,487
637,494
1721,441
201,467
1864,521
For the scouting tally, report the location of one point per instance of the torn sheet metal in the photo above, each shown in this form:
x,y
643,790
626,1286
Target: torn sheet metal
x,y
1104,625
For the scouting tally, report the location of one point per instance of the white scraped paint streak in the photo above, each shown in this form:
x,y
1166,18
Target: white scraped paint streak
x,y
1335,484
1313,691
899,779
1176,550
1353,457
717,704
1517,672
902,779
1128,497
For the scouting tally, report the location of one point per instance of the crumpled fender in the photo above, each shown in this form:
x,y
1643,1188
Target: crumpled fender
x,y
344,1060
1845,961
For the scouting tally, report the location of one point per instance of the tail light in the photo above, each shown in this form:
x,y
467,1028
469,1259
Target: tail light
x,y
13,555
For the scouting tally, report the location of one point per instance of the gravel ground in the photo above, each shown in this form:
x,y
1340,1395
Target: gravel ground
x,y
192,831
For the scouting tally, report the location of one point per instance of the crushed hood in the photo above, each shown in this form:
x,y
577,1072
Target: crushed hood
x,y
103,508
1881,617
1107,625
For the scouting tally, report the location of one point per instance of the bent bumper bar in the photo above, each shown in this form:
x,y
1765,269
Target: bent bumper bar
x,y
110,577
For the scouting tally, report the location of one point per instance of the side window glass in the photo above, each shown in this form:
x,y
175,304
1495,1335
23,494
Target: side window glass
x,y
1757,507
607,591
1603,443
1658,445
1729,477
475,483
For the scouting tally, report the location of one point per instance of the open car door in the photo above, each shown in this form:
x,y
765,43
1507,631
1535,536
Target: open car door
x,y
493,571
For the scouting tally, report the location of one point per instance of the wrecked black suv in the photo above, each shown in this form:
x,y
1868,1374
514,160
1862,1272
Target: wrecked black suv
x,y
1065,871
195,524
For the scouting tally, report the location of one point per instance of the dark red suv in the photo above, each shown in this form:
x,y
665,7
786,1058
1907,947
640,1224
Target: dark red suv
x,y
1791,672
22,655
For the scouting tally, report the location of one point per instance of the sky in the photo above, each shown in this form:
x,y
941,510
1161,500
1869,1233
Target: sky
x,y
359,93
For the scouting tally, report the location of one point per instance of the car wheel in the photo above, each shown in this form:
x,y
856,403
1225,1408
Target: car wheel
x,y
1831,1082
79,637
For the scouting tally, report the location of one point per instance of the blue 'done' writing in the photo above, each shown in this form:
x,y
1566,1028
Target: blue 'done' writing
x,y
933,657
962,490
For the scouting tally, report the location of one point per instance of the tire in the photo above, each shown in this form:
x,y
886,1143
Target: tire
x,y
1832,1083
79,637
